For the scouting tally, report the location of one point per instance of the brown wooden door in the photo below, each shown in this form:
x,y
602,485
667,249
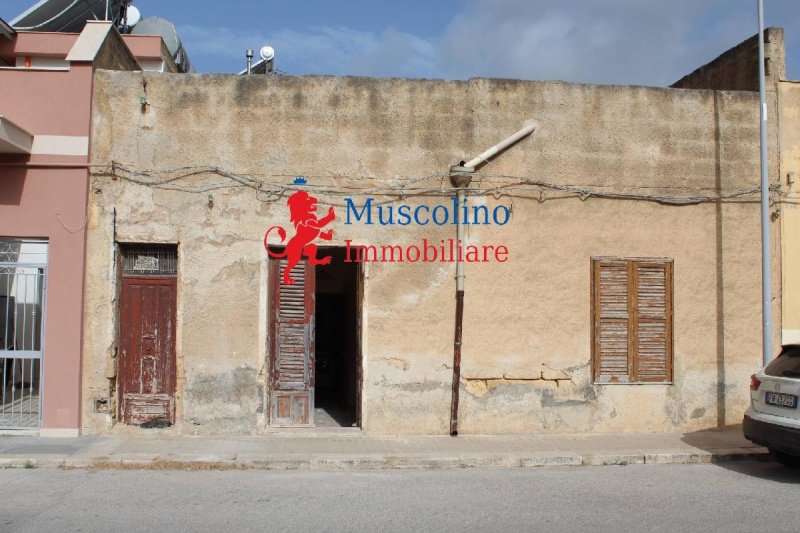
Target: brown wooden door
x,y
292,345
146,377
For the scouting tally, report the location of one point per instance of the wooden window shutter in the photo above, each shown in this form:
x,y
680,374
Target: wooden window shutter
x,y
632,320
611,322
652,326
292,341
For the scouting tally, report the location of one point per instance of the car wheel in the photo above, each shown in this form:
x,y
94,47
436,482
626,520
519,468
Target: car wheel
x,y
785,459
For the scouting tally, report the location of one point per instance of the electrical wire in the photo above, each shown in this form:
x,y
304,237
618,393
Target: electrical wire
x,y
399,188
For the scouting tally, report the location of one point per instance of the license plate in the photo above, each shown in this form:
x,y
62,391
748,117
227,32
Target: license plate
x,y
782,400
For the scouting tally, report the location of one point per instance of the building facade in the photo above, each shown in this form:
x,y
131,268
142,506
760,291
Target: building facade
x,y
46,84
612,257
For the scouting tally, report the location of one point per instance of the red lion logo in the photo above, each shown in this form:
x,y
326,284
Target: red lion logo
x,y
303,214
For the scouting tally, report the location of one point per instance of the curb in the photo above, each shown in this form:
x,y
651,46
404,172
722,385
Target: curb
x,y
378,461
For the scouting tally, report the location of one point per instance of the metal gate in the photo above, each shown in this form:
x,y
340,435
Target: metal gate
x,y
23,278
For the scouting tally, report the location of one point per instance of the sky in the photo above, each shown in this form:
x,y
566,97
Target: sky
x,y
641,42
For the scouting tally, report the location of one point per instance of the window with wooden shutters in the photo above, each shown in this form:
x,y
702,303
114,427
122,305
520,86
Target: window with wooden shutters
x,y
632,320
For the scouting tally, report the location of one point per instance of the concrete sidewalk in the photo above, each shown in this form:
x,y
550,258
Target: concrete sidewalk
x,y
353,450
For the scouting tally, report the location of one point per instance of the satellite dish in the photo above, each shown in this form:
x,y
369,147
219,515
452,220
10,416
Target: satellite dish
x,y
133,15
267,53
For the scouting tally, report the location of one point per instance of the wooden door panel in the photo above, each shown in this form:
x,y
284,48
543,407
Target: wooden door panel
x,y
141,408
292,345
292,408
146,377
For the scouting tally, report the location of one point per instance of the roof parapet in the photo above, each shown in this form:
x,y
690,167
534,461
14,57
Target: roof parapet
x,y
737,68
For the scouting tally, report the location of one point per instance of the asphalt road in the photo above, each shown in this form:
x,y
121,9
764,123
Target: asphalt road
x,y
747,497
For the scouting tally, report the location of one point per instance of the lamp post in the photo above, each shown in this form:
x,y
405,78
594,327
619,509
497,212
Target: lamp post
x,y
766,260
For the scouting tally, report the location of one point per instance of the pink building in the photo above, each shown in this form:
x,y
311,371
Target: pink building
x,y
45,121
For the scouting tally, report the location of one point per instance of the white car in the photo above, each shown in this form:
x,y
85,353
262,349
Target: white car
x,y
773,419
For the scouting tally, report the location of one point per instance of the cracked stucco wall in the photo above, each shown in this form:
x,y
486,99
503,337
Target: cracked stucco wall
x,y
526,349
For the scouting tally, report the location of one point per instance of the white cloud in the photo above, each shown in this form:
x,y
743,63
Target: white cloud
x,y
321,50
649,42
614,41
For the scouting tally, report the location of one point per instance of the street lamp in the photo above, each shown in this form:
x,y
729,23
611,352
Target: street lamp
x,y
766,260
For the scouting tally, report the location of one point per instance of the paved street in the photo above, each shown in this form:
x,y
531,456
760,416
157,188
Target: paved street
x,y
743,496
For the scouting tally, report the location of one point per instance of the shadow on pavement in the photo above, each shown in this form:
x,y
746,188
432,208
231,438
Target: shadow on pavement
x,y
766,469
733,452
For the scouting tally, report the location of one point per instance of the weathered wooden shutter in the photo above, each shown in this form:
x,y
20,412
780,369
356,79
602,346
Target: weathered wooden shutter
x,y
146,380
632,320
292,342
653,324
611,312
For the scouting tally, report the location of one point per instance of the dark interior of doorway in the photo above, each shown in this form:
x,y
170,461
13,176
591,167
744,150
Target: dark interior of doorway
x,y
336,342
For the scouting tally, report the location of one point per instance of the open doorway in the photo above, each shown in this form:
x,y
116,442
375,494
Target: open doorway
x,y
337,359
315,351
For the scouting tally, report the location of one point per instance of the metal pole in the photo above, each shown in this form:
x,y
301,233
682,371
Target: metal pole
x,y
459,316
456,364
460,197
766,262
106,10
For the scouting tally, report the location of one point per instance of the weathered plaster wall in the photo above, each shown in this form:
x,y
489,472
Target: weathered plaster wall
x,y
789,98
527,322
114,53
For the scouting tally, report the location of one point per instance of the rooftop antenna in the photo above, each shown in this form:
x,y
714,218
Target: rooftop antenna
x,y
264,65
132,16
267,53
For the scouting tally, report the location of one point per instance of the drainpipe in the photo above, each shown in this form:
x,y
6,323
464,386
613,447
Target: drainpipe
x,y
502,145
460,178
